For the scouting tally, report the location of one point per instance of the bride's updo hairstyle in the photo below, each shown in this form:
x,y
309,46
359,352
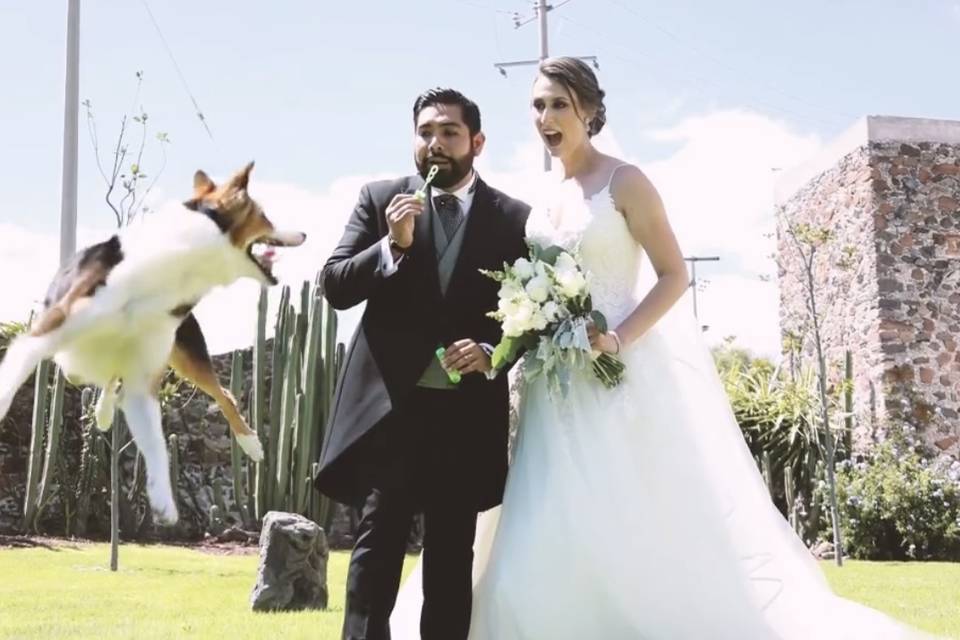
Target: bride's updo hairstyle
x,y
579,79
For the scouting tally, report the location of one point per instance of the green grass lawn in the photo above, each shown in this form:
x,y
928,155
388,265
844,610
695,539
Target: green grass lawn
x,y
171,592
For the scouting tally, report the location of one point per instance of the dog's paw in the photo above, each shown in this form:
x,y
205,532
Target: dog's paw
x,y
251,446
164,509
166,514
162,502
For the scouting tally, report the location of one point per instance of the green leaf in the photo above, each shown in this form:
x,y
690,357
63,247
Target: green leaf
x,y
508,348
550,254
599,321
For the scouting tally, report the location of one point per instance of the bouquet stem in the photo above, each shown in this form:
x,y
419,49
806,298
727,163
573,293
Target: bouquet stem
x,y
609,370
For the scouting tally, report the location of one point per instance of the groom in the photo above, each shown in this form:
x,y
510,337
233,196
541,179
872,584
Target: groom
x,y
403,437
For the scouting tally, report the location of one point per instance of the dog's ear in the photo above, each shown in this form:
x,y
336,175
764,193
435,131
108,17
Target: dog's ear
x,y
202,184
193,203
241,178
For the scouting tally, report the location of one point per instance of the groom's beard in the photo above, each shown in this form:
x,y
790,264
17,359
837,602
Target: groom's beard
x,y
449,174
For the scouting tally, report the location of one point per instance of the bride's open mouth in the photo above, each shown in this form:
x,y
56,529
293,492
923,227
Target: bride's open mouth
x,y
553,138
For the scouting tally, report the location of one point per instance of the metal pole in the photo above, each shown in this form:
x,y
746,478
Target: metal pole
x,y
71,117
541,9
693,285
693,260
542,15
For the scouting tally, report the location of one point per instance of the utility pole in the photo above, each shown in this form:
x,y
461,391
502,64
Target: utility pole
x,y
693,260
71,116
540,11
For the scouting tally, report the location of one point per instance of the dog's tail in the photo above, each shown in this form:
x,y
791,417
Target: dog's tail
x,y
22,357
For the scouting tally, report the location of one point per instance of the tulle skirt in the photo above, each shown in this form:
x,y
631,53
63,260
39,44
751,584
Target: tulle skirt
x,y
639,512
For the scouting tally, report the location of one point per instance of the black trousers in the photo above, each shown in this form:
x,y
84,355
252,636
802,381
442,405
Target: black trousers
x,y
415,460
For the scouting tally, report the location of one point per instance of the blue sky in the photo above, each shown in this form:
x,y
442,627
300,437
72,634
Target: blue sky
x,y
319,92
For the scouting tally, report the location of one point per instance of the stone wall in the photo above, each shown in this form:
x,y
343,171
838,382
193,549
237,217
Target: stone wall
x,y
204,445
840,199
889,279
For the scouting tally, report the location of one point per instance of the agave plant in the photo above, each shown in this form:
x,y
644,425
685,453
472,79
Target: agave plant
x,y
780,418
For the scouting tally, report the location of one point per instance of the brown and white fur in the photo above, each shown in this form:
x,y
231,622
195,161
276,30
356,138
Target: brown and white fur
x,y
120,312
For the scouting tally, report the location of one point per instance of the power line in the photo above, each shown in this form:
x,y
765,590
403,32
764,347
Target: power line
x,y
540,14
183,80
486,8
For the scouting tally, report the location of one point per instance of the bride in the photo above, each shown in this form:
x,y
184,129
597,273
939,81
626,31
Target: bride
x,y
636,512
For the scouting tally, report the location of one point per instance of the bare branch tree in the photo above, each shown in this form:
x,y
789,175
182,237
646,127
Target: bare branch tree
x,y
807,240
126,192
130,181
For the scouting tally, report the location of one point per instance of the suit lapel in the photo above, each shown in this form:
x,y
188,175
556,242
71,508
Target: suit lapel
x,y
478,222
423,249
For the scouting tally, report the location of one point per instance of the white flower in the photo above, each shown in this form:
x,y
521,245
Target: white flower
x,y
538,288
523,269
507,306
570,282
520,316
510,289
565,262
551,311
511,329
538,321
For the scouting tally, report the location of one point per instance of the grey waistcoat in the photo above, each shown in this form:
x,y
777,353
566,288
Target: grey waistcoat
x,y
447,253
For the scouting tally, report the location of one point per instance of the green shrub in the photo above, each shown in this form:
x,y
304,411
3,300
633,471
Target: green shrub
x,y
896,503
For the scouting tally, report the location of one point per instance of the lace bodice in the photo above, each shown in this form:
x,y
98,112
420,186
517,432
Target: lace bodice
x,y
598,234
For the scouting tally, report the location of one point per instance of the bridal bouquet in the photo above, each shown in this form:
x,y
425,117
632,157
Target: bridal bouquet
x,y
545,307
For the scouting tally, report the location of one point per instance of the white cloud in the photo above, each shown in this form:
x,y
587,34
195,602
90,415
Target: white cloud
x,y
743,307
718,191
28,261
718,186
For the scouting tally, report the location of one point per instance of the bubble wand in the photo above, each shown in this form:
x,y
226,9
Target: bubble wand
x,y
421,193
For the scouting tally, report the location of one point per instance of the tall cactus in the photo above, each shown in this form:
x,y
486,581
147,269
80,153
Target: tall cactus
x,y
53,441
173,452
278,376
256,481
307,441
237,461
790,498
86,473
41,387
305,361
290,409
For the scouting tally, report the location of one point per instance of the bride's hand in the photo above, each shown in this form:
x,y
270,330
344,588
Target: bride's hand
x,y
606,342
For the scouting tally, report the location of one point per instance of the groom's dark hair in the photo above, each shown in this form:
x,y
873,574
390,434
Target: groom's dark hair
x,y
431,97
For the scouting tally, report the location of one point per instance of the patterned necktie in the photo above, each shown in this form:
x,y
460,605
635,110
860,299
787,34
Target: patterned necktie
x,y
448,208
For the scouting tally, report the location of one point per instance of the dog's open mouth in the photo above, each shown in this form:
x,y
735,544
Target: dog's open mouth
x,y
264,254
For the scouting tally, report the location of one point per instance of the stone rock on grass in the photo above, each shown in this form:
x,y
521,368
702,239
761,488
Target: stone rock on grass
x,y
293,564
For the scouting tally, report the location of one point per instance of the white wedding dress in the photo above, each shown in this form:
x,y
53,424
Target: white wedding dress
x,y
638,512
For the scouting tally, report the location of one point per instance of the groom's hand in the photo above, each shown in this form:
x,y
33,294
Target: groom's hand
x,y
401,214
466,356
